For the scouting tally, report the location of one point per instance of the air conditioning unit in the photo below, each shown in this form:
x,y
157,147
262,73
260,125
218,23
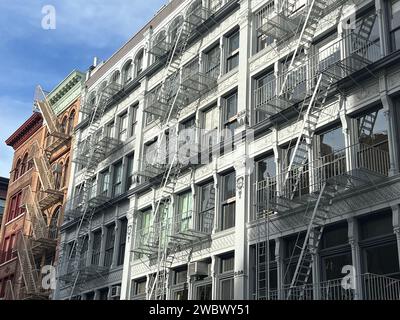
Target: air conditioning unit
x,y
115,292
198,269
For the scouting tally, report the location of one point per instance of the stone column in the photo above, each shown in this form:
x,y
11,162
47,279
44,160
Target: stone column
x,y
103,244
129,246
117,241
241,249
356,257
396,228
384,34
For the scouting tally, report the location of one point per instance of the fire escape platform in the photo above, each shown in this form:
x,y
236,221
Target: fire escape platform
x,y
51,198
280,27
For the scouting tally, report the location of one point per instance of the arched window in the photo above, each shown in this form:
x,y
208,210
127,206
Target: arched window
x,y
65,174
139,63
174,28
116,77
17,169
71,122
195,14
127,72
64,125
24,164
53,227
57,171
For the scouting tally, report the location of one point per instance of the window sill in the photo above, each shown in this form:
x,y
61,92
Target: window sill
x,y
14,219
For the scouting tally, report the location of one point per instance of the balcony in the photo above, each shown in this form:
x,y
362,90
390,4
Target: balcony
x,y
151,239
90,198
300,81
346,169
189,227
90,153
373,287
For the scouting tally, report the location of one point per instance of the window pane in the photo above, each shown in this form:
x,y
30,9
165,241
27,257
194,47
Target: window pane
x,y
228,216
266,168
231,106
331,141
229,186
233,42
382,260
227,289
204,292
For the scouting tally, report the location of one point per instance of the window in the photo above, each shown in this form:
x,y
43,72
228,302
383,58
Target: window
x,y
376,226
96,248
184,218
117,182
110,130
15,209
103,294
211,62
123,127
226,284
265,89
395,24
210,126
331,141
140,287
139,63
174,29
144,226
127,72
129,172
262,40
122,241
24,164
228,201
110,239
230,115
71,122
204,292
232,54
116,76
207,207
227,264
133,122
17,169
64,125
266,168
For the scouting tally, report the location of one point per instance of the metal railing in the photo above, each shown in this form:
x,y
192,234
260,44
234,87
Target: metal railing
x,y
148,239
378,287
300,181
303,77
374,287
191,222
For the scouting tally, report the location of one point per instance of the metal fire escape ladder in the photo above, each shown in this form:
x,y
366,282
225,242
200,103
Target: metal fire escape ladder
x,y
38,224
314,14
367,124
169,180
90,170
311,242
310,120
27,264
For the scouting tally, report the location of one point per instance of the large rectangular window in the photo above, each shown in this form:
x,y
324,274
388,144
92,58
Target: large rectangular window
x,y
16,207
395,24
110,239
104,182
123,127
184,219
133,121
265,90
228,201
232,52
207,207
96,248
122,241
226,282
230,115
212,62
117,180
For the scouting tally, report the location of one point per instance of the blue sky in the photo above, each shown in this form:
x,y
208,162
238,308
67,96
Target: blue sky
x,y
30,55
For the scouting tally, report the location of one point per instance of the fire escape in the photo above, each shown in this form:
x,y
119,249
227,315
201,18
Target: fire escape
x,y
43,239
75,268
309,185
182,84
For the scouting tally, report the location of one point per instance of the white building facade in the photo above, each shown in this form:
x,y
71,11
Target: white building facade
x,y
294,106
